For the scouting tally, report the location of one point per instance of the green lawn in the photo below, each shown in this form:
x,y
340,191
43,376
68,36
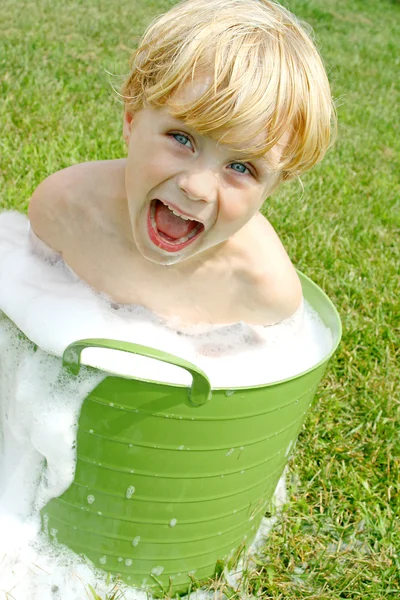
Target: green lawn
x,y
339,537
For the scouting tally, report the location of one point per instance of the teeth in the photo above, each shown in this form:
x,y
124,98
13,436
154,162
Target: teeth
x,y
176,213
186,238
153,215
181,216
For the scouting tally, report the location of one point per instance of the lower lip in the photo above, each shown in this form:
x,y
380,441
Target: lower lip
x,y
164,244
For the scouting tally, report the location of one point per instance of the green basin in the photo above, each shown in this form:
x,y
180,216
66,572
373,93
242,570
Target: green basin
x,y
169,480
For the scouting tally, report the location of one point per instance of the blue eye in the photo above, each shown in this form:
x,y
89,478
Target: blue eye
x,y
182,139
240,168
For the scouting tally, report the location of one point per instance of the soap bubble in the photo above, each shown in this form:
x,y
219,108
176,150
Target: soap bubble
x,y
130,491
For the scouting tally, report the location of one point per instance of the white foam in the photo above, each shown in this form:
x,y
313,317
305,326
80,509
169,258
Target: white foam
x,y
33,568
53,308
40,402
39,408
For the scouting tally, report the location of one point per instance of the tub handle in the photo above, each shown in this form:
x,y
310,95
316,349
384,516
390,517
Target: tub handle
x,y
200,391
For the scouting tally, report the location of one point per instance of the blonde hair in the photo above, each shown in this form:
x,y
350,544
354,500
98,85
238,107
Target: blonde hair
x,y
266,76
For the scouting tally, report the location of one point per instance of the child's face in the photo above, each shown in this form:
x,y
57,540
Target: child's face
x,y
187,192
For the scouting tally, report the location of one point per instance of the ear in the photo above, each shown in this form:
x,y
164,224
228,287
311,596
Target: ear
x,y
127,126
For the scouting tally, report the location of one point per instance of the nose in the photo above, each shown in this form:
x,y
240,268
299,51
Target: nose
x,y
199,184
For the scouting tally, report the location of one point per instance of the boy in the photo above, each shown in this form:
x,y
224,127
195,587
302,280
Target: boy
x,y
225,99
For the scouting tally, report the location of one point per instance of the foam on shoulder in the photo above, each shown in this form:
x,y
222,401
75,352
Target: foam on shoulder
x,y
54,308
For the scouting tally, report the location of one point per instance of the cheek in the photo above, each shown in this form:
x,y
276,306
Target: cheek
x,y
239,208
145,170
157,159
234,211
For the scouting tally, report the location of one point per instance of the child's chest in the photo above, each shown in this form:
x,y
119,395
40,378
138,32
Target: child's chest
x,y
213,286
206,291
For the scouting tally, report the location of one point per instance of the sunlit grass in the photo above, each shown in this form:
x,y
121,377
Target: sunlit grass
x,y
339,535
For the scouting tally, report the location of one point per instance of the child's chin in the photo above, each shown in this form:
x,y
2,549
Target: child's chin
x,y
157,256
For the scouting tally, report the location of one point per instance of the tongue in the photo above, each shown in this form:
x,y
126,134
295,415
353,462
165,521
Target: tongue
x,y
170,224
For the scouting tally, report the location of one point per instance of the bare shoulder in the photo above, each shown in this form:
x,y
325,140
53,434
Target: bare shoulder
x,y
268,281
71,192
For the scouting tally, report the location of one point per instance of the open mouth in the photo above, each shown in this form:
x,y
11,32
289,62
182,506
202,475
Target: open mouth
x,y
170,231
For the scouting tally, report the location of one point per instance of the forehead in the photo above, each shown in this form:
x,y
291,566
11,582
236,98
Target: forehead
x,y
191,90
193,95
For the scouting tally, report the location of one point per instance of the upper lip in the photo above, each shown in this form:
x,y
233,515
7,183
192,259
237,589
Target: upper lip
x,y
179,211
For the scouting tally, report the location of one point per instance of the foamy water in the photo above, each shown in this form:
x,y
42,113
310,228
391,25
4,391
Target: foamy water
x,y
54,308
40,402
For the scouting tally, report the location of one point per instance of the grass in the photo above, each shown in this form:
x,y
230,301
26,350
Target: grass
x,y
339,536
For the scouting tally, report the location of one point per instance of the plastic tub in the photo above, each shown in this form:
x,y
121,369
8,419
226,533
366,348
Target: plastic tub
x,y
170,480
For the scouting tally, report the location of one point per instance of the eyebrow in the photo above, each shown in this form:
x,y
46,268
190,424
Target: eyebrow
x,y
264,159
173,119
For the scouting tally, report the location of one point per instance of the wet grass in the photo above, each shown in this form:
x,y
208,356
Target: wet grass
x,y
339,536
